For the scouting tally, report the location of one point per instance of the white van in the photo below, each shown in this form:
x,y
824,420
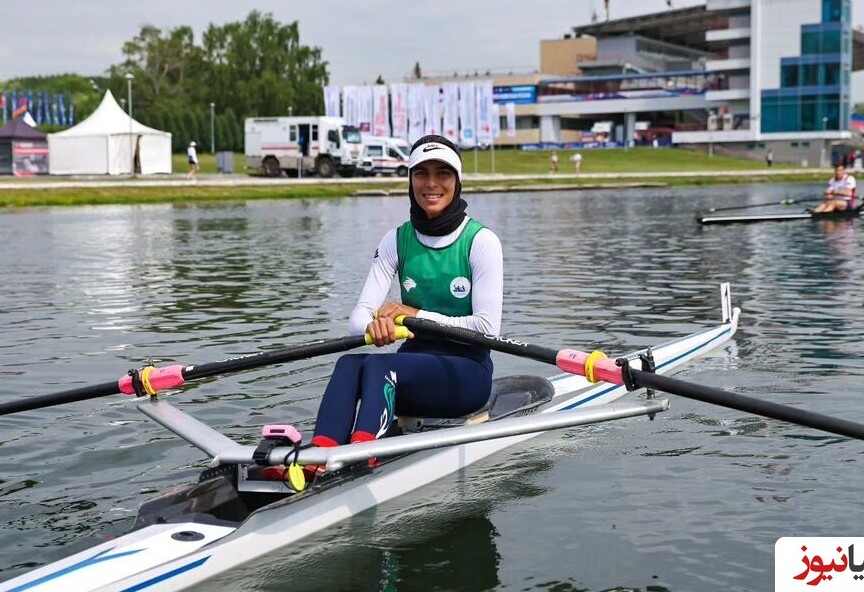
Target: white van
x,y
385,156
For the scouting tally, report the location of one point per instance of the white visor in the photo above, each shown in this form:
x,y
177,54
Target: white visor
x,y
436,151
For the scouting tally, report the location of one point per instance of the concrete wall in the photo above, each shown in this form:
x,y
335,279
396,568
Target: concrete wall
x,y
560,57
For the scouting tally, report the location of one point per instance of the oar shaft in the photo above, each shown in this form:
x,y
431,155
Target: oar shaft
x,y
70,396
279,356
175,376
723,398
782,202
577,362
494,342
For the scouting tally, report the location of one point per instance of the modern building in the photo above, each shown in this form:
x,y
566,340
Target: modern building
x,y
739,76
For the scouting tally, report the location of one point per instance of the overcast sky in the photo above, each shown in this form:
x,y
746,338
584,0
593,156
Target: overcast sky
x,y
360,39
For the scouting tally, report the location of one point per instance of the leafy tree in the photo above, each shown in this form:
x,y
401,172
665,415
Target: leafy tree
x,y
166,66
259,67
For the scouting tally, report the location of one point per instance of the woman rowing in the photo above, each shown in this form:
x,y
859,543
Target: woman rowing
x,y
450,270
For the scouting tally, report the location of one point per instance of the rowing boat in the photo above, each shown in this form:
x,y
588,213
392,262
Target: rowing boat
x,y
778,217
231,516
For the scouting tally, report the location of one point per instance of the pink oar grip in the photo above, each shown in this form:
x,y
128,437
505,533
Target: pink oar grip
x,y
573,361
160,379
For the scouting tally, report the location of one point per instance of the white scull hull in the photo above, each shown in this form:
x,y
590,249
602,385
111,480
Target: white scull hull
x,y
176,556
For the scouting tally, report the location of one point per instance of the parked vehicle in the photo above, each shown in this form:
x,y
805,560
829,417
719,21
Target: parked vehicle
x,y
302,146
385,156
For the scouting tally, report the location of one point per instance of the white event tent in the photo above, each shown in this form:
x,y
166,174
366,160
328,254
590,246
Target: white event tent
x,y
105,142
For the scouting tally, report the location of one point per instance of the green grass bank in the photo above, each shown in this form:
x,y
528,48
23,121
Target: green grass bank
x,y
511,170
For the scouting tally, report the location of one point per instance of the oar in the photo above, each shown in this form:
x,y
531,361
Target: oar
x,y
596,366
150,380
782,202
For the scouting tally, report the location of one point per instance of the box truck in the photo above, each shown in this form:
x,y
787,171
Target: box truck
x,y
302,146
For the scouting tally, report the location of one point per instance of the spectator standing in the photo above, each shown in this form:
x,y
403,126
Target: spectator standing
x,y
769,158
577,161
553,162
192,154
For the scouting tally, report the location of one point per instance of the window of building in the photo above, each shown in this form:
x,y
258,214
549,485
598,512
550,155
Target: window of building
x,y
831,42
789,114
810,75
770,115
811,42
832,10
831,74
809,109
789,76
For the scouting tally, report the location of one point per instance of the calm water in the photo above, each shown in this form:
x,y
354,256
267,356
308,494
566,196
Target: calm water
x,y
691,501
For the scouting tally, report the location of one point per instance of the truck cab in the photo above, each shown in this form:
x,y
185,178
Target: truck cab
x,y
385,156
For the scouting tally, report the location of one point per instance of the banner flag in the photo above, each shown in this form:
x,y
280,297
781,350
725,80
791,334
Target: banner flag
x,y
63,108
350,114
331,101
432,110
484,106
399,110
450,112
381,111
21,108
3,106
364,108
510,109
71,112
416,100
30,104
496,120
467,115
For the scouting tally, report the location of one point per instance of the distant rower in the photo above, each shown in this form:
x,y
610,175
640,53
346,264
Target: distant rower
x,y
840,194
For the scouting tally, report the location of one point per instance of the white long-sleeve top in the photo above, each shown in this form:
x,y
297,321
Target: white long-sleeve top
x,y
487,282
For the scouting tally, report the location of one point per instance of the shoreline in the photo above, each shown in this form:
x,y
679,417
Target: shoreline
x,y
209,187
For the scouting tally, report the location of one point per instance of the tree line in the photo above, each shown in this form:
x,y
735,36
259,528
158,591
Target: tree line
x,y
253,68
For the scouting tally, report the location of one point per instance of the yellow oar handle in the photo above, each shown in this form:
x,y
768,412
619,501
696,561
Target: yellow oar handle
x,y
401,333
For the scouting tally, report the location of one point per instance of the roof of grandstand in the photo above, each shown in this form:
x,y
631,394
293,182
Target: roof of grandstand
x,y
686,27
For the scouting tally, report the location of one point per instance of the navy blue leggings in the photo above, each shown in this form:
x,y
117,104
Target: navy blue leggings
x,y
402,383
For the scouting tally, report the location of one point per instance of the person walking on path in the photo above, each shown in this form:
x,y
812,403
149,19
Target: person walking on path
x,y
192,154
450,269
553,162
577,161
